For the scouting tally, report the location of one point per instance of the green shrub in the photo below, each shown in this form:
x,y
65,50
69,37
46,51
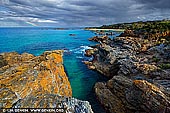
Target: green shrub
x,y
164,66
155,59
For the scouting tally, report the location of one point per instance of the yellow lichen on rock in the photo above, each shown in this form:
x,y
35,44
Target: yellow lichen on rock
x,y
146,86
28,75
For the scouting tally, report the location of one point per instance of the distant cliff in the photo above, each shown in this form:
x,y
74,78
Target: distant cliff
x,y
29,81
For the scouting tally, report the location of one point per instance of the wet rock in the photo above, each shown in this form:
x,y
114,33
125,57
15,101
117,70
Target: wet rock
x,y
103,39
89,52
72,34
89,65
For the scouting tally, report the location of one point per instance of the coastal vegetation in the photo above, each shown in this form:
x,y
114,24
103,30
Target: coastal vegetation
x,y
149,26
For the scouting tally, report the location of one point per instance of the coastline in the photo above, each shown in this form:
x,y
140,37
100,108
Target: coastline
x,y
137,63
81,79
134,63
98,29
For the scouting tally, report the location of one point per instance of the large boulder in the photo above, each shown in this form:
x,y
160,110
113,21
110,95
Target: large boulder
x,y
122,95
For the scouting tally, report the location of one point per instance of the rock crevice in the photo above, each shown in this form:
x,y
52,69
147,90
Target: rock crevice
x,y
139,72
29,81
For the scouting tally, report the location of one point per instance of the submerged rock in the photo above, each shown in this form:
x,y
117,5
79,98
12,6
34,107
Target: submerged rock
x,y
28,81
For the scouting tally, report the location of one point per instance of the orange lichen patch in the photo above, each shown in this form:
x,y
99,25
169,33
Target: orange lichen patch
x,y
27,75
64,92
67,92
21,69
62,72
10,78
146,86
48,64
146,68
25,92
18,73
43,74
35,85
56,90
46,83
57,58
56,71
8,104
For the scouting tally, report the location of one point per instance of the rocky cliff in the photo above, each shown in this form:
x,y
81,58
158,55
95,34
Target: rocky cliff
x,y
139,72
29,81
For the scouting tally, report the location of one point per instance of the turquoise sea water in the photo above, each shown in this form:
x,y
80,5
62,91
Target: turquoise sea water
x,y
37,40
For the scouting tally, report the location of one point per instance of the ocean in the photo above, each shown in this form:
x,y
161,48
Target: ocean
x,y
38,40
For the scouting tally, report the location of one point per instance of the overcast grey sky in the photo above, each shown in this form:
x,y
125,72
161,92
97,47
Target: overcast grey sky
x,y
72,13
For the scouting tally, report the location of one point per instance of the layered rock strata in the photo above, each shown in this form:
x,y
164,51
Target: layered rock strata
x,y
123,95
139,69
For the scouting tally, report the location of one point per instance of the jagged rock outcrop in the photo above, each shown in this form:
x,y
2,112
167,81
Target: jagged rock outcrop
x,y
103,39
67,104
123,56
123,95
29,81
138,64
89,52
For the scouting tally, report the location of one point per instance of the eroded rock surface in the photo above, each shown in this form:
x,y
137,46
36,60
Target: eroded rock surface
x,y
139,72
122,95
29,81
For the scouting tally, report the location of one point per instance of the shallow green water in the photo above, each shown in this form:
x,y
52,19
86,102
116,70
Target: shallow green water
x,y
37,40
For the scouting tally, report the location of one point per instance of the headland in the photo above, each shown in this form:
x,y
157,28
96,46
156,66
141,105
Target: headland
x,y
138,65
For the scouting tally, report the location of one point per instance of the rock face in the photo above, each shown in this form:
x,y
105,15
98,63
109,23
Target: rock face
x,y
122,95
67,104
28,81
139,72
125,56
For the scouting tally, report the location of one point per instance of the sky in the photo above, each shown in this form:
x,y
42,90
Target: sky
x,y
75,13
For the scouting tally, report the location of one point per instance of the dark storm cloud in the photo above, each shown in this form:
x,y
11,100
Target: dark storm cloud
x,y
80,12
161,4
